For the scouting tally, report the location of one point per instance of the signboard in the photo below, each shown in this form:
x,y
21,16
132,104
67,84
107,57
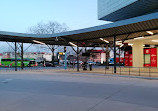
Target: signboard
x,y
153,54
146,51
61,53
150,57
128,58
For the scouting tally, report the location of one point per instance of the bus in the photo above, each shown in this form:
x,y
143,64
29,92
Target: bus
x,y
10,62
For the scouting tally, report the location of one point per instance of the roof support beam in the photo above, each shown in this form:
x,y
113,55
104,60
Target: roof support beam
x,y
120,34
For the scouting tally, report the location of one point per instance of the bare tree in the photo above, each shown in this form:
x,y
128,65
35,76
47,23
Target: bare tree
x,y
49,28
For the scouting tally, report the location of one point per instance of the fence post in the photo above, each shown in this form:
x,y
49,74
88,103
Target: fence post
x,y
139,71
120,70
112,70
149,72
129,70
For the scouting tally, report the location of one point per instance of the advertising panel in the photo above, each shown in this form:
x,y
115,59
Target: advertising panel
x,y
128,58
153,54
150,57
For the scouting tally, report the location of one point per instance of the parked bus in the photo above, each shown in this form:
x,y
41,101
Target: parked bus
x,y
9,62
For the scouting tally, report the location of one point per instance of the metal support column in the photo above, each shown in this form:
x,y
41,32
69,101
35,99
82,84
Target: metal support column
x,y
22,56
53,56
119,56
77,58
107,56
114,54
65,58
15,56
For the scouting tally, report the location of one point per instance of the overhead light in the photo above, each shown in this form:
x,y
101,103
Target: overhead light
x,y
72,44
118,41
104,40
122,45
139,38
130,44
38,42
154,40
149,32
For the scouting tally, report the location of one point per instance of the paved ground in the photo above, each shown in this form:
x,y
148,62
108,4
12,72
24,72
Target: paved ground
x,y
65,91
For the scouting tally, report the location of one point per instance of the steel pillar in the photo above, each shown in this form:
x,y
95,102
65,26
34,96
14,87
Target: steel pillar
x,y
65,63
114,54
77,58
15,56
107,56
53,56
119,56
22,56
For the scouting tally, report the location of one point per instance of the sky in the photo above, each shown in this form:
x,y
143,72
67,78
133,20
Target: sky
x,y
20,15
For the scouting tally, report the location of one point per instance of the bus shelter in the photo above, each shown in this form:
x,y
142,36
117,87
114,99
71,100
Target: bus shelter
x,y
108,34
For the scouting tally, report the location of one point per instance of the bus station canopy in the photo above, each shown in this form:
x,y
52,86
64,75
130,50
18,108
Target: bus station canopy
x,y
90,37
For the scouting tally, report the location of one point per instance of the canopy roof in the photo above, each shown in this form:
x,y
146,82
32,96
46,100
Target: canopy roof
x,y
88,37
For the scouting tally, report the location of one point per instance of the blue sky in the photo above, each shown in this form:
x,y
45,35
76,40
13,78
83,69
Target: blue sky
x,y
19,15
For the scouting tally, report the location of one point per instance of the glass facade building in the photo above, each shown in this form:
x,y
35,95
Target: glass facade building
x,y
116,10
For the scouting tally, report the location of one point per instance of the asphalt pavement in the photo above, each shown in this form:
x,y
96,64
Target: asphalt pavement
x,y
70,91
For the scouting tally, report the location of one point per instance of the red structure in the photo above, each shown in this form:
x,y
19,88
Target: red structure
x,y
150,57
120,61
128,58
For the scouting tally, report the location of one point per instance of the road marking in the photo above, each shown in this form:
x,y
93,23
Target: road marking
x,y
6,80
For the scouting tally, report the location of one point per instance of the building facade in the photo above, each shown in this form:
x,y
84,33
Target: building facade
x,y
116,10
125,10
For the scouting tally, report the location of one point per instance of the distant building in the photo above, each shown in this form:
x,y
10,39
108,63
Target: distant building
x,y
98,56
